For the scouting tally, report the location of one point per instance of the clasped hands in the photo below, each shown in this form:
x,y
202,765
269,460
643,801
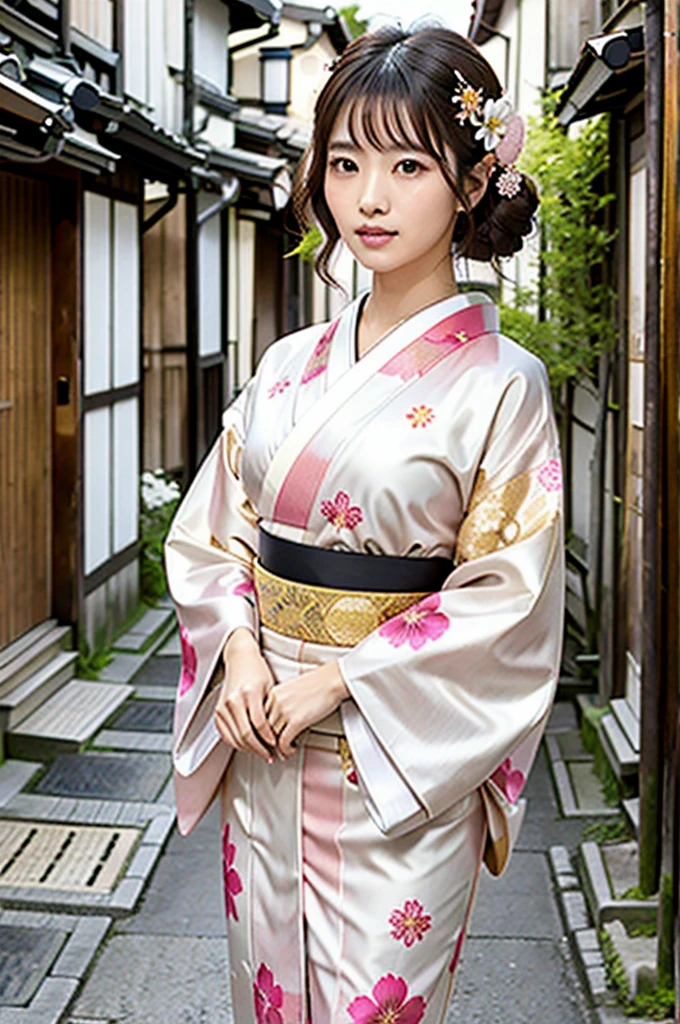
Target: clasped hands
x,y
254,714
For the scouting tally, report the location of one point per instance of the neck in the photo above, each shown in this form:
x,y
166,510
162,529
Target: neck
x,y
398,295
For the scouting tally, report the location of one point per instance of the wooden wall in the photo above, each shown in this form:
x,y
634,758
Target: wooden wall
x,y
25,406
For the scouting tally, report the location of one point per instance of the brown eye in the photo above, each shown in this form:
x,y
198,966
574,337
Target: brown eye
x,y
410,166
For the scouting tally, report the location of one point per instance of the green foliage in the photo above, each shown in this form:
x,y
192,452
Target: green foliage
x,y
655,1005
642,929
90,663
576,301
614,830
306,249
634,892
160,498
357,26
613,967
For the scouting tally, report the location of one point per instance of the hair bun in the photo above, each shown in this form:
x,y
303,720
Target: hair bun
x,y
500,224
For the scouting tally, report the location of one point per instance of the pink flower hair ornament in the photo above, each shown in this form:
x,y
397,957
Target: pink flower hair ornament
x,y
496,125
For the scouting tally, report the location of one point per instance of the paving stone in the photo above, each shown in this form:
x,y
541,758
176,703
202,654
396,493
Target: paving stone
x,y
560,860
160,672
588,789
562,717
151,621
123,668
160,828
575,910
26,955
166,693
571,746
127,893
115,739
519,904
14,775
81,947
170,974
106,776
171,648
587,940
143,862
167,795
514,981
144,716
622,865
52,998
597,983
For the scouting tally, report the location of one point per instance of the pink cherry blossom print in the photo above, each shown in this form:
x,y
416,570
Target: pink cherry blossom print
x,y
409,924
189,662
232,880
244,589
418,624
318,361
340,513
509,780
389,1004
457,950
420,415
268,997
550,475
279,387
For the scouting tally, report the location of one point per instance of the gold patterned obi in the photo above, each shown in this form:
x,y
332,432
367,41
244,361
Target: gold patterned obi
x,y
323,615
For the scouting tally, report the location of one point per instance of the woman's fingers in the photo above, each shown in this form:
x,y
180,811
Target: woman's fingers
x,y
226,726
259,720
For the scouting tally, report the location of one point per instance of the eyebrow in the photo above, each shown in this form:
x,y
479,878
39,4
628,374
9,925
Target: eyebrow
x,y
347,146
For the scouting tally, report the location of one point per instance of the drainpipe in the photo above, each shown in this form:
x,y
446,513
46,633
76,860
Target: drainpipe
x,y
191,256
651,745
64,28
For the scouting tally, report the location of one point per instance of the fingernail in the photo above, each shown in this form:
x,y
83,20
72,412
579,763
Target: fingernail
x,y
270,760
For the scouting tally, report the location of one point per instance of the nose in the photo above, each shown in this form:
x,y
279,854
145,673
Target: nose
x,y
373,198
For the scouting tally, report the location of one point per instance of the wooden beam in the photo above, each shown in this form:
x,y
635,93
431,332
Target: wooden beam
x,y
65,205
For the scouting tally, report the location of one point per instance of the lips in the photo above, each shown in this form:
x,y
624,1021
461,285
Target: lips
x,y
375,232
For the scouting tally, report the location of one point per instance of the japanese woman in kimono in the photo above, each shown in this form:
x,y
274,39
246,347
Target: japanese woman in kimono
x,y
368,567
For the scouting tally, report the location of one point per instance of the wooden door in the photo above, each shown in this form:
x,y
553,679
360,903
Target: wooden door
x,y
25,408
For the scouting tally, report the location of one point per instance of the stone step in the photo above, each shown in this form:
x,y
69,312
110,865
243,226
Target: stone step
x,y
25,641
632,809
154,625
24,657
622,757
628,721
30,693
67,720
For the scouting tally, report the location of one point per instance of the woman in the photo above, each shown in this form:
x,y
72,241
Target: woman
x,y
378,679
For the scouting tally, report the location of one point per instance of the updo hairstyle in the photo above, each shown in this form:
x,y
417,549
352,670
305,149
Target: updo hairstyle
x,y
384,73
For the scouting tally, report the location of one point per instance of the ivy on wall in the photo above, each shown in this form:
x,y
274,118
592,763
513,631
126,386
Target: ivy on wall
x,y
576,301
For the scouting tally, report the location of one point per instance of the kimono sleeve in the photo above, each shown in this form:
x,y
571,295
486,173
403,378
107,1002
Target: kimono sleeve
x,y
457,689
209,554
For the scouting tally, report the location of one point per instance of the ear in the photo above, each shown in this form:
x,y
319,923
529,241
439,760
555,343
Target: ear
x,y
478,178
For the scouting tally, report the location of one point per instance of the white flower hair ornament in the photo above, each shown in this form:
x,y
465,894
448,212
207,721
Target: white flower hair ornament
x,y
500,128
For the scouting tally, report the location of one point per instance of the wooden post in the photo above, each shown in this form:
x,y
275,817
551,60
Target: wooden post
x,y
669,303
65,205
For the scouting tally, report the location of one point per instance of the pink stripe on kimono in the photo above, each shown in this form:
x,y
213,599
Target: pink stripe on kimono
x,y
298,493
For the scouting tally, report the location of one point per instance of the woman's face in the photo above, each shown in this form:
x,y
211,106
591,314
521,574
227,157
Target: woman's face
x,y
392,207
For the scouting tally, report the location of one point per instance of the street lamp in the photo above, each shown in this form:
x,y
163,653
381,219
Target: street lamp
x,y
275,78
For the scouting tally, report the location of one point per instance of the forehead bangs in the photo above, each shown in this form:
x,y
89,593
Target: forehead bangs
x,y
385,120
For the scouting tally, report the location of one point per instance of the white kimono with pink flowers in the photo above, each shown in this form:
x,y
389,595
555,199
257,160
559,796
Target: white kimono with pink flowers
x,y
349,869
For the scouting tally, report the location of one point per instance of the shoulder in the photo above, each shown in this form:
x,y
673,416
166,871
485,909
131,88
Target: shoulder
x,y
289,347
517,362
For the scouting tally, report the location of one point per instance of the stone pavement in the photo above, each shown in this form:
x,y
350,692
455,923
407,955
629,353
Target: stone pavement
x,y
168,962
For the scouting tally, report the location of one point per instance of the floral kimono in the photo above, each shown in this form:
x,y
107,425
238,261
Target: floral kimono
x,y
350,868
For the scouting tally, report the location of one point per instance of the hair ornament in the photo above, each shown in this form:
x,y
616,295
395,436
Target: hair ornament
x,y
498,126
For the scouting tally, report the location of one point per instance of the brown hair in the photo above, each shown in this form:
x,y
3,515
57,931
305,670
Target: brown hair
x,y
382,76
